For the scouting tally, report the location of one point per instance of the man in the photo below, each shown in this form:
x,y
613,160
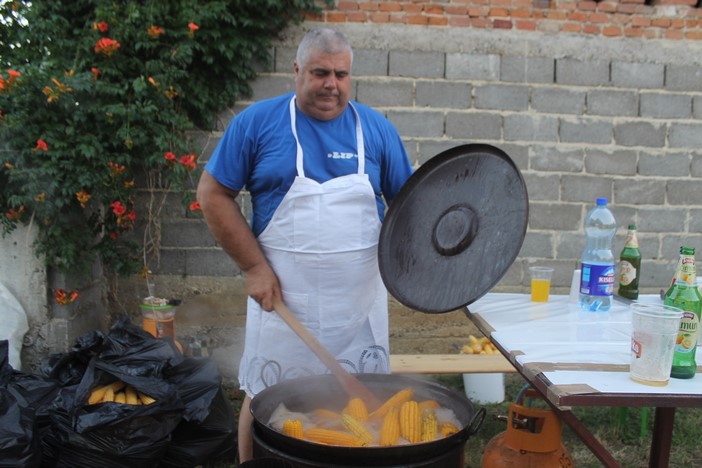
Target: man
x,y
317,167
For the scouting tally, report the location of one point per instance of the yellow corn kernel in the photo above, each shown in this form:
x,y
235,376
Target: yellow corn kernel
x,y
411,422
390,429
332,437
293,428
447,429
430,425
357,409
396,400
356,428
120,397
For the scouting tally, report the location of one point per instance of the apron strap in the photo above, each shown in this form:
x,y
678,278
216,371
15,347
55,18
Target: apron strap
x,y
293,125
360,147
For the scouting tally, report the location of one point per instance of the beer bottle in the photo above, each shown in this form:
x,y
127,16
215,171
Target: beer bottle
x,y
630,266
684,295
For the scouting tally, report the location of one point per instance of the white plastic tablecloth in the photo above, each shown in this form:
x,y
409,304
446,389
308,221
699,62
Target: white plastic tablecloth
x,y
570,347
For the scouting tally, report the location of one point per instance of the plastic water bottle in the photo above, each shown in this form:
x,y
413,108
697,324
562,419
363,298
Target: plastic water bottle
x,y
597,275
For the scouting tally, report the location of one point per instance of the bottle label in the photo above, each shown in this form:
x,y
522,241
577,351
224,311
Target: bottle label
x,y
687,271
686,341
631,240
597,280
627,273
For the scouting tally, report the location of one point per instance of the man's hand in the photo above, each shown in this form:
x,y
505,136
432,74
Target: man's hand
x,y
262,285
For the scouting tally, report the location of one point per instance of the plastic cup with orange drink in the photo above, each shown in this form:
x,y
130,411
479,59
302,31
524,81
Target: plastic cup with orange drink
x,y
540,283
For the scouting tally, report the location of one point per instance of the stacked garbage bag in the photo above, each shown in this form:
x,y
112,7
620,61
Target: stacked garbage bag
x,y
179,415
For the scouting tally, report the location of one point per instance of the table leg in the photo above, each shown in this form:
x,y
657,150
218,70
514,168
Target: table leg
x,y
588,438
662,437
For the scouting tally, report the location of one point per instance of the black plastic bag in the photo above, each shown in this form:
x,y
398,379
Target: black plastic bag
x,y
126,346
76,434
68,368
110,434
208,431
21,395
136,351
191,422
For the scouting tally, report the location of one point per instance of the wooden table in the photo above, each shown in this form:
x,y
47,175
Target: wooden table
x,y
576,358
449,364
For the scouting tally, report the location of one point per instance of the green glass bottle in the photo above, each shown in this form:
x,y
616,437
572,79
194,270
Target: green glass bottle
x,y
684,295
630,266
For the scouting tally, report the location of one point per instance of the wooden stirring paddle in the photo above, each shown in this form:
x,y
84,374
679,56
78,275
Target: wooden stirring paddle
x,y
350,384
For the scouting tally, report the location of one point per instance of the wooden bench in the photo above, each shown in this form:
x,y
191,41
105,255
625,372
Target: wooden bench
x,y
449,363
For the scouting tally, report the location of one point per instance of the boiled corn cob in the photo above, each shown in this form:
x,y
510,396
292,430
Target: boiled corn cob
x,y
390,429
479,346
145,399
326,413
98,394
411,422
396,400
332,437
130,396
118,392
430,425
357,409
357,428
293,428
447,429
109,395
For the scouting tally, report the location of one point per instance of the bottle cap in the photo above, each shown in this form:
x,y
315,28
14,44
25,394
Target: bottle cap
x,y
601,201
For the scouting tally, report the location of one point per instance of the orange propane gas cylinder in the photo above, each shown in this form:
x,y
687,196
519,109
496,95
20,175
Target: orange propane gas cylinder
x,y
532,439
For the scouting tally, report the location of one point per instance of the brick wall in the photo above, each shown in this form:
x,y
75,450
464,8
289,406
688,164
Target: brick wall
x,y
668,19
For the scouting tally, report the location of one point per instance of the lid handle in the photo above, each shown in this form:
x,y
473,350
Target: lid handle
x,y
455,230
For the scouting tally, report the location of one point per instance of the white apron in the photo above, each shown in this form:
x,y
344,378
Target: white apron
x,y
322,243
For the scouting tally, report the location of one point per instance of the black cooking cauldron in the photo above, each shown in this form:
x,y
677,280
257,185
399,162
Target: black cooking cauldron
x,y
308,393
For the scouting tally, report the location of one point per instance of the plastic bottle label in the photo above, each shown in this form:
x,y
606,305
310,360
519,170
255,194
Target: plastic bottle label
x,y
627,273
597,280
688,334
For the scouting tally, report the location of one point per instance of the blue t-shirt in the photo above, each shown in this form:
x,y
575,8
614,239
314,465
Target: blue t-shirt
x,y
258,150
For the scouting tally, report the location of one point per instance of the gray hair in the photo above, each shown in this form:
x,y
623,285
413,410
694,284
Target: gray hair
x,y
326,40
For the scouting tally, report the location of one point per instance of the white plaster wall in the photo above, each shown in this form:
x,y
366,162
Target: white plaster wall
x,y
23,273
25,278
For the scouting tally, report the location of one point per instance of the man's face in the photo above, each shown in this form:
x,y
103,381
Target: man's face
x,y
323,84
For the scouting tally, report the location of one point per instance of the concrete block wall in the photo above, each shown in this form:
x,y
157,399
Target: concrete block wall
x,y
578,125
582,117
589,98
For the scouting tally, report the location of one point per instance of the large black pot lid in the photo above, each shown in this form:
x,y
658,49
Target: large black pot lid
x,y
454,229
